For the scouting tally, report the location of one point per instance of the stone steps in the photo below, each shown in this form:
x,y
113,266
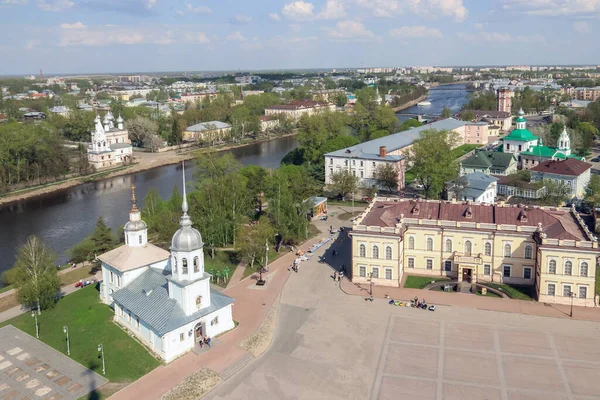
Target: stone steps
x,y
465,287
236,366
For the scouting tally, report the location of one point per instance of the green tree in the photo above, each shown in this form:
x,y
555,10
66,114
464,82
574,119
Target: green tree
x,y
556,193
409,123
431,160
102,238
387,176
340,99
34,275
176,134
343,183
592,191
556,130
257,181
467,115
252,239
446,113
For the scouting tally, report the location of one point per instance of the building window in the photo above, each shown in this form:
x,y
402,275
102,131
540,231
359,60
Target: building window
x,y
375,252
566,290
388,273
448,245
411,242
362,250
506,271
331,161
552,267
583,292
375,272
112,277
331,171
568,268
181,337
583,269
196,264
184,267
140,239
429,264
362,174
468,247
373,165
215,321
361,163
487,249
447,266
362,271
118,280
507,146
411,262
346,163
487,269
507,250
388,252
429,244
527,273
551,289
528,252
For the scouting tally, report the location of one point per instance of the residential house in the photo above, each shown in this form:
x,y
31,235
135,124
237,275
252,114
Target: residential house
x,y
207,131
298,108
476,133
490,163
502,119
268,123
475,186
571,172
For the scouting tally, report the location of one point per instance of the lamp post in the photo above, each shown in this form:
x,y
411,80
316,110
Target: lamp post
x,y
37,325
66,331
571,295
260,281
101,351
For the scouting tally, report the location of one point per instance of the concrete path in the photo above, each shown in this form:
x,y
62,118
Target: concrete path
x,y
237,274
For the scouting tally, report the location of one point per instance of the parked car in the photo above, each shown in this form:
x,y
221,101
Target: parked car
x,y
596,159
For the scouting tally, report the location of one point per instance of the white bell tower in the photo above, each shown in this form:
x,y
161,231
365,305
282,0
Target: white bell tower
x,y
136,231
564,143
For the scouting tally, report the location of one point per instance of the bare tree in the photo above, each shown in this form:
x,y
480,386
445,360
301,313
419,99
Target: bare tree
x,y
141,129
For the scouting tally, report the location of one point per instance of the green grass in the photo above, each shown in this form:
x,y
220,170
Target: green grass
x,y
223,259
597,280
419,282
487,294
519,292
409,177
6,288
90,323
462,150
73,276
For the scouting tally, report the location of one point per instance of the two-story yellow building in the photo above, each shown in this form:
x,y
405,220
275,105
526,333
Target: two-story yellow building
x,y
551,249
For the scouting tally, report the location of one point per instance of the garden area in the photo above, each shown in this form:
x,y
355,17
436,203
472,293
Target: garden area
x,y
90,323
518,292
222,266
420,282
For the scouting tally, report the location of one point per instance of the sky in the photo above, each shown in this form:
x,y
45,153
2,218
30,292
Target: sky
x,y
112,36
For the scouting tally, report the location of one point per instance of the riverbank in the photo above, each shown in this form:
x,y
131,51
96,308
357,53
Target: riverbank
x,y
410,103
142,162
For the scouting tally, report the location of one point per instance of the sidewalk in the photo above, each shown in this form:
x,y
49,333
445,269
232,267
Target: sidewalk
x,y
473,301
237,274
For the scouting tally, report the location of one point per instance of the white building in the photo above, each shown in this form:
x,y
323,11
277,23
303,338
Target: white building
x,y
573,173
163,298
298,108
476,187
110,146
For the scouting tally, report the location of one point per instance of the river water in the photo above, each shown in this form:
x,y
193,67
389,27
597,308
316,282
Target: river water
x,y
451,96
63,218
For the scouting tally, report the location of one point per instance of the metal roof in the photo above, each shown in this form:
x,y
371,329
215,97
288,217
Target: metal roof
x,y
207,126
396,141
147,297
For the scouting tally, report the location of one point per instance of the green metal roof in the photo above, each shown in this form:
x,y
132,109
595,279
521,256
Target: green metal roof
x,y
521,135
521,119
540,151
486,158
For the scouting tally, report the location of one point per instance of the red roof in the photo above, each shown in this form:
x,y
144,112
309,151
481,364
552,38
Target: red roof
x,y
569,166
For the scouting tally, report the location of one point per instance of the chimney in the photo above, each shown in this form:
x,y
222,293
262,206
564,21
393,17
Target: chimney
x,y
382,151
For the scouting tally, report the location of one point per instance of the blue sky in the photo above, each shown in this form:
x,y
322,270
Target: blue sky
x,y
79,36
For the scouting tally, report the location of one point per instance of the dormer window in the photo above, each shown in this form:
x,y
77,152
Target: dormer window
x,y
469,213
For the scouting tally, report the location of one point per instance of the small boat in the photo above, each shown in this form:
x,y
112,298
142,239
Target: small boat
x,y
424,103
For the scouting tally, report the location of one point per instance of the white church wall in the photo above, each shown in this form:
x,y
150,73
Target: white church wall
x,y
191,292
176,292
223,323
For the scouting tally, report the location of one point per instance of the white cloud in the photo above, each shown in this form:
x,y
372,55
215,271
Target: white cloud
x,y
333,9
55,5
454,9
179,13
150,3
553,8
198,10
31,44
197,37
350,30
581,27
14,2
286,42
76,25
298,10
479,26
382,8
493,37
236,37
241,19
274,16
448,8
295,27
418,31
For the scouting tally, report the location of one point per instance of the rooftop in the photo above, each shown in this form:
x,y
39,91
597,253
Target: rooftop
x,y
569,166
488,158
299,104
521,135
126,258
207,126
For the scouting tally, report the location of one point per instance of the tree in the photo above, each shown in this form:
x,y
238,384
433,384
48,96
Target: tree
x,y
343,182
409,123
102,238
252,239
141,129
446,113
177,128
592,191
34,275
467,115
340,99
556,194
387,176
556,130
432,161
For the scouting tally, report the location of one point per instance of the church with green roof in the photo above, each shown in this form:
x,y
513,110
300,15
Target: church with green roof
x,y
529,148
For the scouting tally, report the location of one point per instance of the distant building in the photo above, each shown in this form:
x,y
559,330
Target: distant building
x,y
576,103
61,110
326,94
207,131
296,109
535,155
520,139
110,145
476,133
502,119
504,100
198,97
489,163
476,187
573,173
268,123
34,116
589,94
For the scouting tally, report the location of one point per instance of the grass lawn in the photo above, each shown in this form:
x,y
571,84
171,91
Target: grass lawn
x,y
409,177
223,259
487,294
519,292
462,150
4,289
419,282
73,276
597,280
90,323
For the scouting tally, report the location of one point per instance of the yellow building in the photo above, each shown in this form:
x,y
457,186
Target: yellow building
x,y
548,248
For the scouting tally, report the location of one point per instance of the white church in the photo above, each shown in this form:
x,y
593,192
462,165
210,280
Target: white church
x,y
110,145
164,298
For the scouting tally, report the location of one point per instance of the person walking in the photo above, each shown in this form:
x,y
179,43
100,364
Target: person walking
x,y
207,340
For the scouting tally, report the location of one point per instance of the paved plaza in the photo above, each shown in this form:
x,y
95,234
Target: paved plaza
x,y
29,369
329,345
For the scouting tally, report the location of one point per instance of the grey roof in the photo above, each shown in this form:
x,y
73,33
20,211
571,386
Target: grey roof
x,y
396,141
475,184
207,126
147,297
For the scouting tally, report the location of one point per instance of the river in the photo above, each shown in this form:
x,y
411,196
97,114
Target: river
x,y
63,218
451,96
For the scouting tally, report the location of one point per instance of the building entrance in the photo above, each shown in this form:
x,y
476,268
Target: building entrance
x,y
198,333
467,274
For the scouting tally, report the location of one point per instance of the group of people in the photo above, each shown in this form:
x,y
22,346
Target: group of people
x,y
205,341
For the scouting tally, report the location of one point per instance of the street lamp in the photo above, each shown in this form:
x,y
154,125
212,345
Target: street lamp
x,y
37,325
571,295
66,331
260,281
101,351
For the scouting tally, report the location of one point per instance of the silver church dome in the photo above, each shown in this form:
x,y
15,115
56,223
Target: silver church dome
x,y
133,226
186,239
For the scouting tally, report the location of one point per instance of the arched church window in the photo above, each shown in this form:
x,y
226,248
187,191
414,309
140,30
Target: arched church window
x,y
174,265
140,239
196,264
198,301
184,267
